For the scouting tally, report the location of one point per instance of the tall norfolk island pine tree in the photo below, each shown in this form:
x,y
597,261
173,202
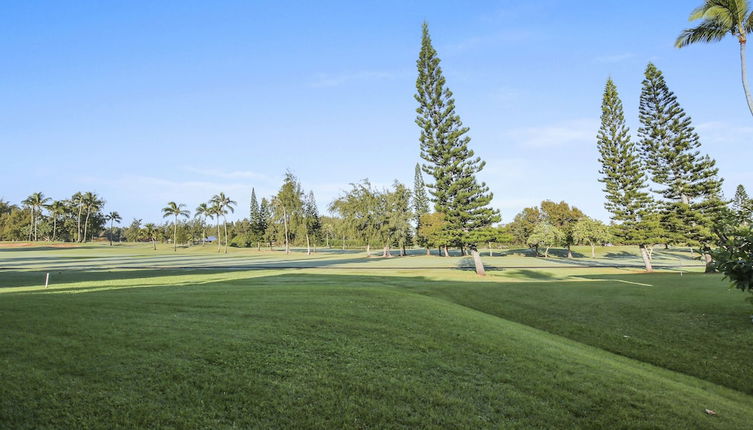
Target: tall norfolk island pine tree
x,y
444,146
624,180
689,182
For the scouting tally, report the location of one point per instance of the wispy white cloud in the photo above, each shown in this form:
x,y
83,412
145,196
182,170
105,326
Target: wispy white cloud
x,y
234,174
558,134
328,80
479,42
723,133
616,58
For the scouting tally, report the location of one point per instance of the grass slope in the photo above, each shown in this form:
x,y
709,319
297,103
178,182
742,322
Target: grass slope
x,y
319,349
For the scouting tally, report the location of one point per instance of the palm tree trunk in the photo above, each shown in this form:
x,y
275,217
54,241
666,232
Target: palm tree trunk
x,y
78,224
54,226
744,74
219,236
593,251
31,224
86,223
175,234
224,224
110,232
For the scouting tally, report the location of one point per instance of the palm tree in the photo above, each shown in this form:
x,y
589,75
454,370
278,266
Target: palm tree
x,y
113,217
720,18
203,212
176,210
92,203
215,211
35,202
56,208
224,204
77,201
150,231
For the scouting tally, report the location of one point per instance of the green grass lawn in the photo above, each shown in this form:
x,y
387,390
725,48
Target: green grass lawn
x,y
351,342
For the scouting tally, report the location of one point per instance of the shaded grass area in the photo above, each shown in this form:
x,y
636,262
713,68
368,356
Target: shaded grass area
x,y
282,349
691,323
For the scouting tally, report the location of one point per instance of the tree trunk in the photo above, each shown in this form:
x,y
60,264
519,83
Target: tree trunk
x,y
154,244
709,262
646,259
477,262
227,239
368,249
593,251
569,252
31,224
86,224
446,251
386,251
219,236
403,252
308,245
110,232
285,222
428,252
490,249
546,252
78,224
744,75
175,234
54,226
650,250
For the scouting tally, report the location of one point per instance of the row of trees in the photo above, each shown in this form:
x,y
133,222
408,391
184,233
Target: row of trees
x,y
662,190
76,219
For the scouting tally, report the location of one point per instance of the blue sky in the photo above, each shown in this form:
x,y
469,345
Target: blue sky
x,y
147,102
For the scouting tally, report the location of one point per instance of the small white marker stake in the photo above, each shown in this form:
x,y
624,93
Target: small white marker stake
x,y
47,280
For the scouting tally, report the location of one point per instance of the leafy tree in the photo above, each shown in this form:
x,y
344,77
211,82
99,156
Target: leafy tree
x,y
742,205
360,211
222,205
133,232
623,178
395,211
444,147
718,19
311,222
734,257
563,216
546,235
287,206
523,224
434,228
590,231
175,210
150,232
112,217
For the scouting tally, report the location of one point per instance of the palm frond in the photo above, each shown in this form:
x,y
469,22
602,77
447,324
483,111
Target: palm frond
x,y
709,31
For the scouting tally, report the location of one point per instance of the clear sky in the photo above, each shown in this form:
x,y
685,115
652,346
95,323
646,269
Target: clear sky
x,y
147,102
